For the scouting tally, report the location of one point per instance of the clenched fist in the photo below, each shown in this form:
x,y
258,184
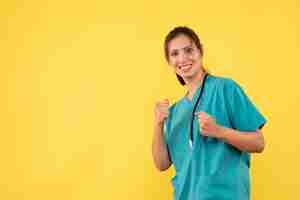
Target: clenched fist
x,y
161,111
207,124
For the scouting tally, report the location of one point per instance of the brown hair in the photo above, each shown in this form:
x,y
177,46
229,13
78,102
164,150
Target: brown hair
x,y
182,30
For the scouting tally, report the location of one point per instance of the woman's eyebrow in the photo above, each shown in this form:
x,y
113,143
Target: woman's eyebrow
x,y
185,47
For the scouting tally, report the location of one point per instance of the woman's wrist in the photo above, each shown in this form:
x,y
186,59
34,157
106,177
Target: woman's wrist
x,y
221,132
158,127
159,124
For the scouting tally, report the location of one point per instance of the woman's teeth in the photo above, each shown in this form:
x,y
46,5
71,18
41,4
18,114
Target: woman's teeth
x,y
185,67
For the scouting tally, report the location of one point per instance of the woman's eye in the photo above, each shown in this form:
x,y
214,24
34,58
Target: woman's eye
x,y
189,50
173,54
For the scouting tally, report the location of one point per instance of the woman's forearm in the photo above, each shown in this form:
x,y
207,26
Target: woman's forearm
x,y
252,142
159,149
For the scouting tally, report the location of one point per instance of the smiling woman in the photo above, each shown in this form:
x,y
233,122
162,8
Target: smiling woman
x,y
207,135
189,53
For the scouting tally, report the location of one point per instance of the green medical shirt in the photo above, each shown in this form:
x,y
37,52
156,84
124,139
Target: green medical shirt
x,y
211,169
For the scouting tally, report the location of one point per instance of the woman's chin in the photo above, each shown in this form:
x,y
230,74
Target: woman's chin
x,y
188,74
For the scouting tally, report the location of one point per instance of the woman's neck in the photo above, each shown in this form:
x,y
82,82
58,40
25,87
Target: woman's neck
x,y
194,83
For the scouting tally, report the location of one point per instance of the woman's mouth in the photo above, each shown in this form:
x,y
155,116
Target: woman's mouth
x,y
185,67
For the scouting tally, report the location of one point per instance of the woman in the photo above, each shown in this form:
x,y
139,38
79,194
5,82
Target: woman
x,y
208,134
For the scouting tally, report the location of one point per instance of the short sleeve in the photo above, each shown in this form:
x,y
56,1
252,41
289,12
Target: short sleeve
x,y
166,129
243,114
167,124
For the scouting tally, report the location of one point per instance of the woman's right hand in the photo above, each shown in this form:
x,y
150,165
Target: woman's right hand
x,y
161,111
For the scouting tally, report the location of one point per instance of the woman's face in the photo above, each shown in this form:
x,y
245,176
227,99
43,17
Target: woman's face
x,y
184,57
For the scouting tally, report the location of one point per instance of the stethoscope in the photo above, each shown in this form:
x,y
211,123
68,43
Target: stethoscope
x,y
191,139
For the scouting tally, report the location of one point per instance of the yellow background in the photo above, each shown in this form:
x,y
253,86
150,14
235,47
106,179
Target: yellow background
x,y
79,80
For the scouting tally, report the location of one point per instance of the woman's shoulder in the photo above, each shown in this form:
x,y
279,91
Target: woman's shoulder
x,y
227,85
223,81
176,103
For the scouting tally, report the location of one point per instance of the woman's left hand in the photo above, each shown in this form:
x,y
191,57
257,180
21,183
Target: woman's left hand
x,y
207,125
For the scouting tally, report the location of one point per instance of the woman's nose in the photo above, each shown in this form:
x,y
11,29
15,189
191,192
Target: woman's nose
x,y
182,57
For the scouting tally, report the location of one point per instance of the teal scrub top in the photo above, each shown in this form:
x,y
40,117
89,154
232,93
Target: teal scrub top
x,y
211,169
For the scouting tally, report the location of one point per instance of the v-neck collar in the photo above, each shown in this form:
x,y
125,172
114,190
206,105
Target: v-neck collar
x,y
196,94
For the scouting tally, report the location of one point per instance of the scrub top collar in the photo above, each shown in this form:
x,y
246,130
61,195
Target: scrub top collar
x,y
196,94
